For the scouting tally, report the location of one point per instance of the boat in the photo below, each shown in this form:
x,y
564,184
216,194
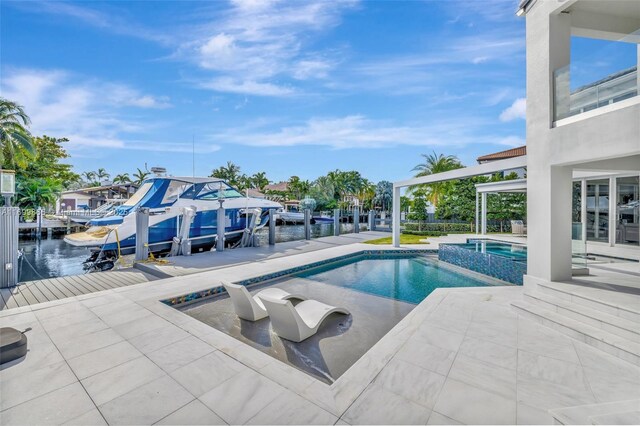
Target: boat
x,y
168,198
84,216
290,213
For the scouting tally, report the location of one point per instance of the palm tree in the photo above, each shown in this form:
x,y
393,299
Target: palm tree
x,y
140,176
230,173
102,174
89,177
259,180
122,178
15,139
433,164
384,194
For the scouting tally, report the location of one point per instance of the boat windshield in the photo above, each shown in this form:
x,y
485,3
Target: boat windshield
x,y
211,191
141,192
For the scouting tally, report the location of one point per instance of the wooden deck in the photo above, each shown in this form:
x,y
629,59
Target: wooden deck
x,y
40,291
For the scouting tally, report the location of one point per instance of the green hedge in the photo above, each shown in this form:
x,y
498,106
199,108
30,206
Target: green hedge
x,y
446,228
425,233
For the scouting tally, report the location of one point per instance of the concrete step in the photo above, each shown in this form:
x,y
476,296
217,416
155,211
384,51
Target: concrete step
x,y
593,317
576,294
606,341
619,412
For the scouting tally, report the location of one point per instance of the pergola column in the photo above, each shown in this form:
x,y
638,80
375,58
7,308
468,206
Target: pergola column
x,y
484,213
395,224
477,214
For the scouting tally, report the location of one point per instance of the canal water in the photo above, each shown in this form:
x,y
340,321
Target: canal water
x,y
49,258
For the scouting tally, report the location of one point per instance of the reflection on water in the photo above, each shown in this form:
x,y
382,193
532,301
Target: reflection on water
x,y
47,258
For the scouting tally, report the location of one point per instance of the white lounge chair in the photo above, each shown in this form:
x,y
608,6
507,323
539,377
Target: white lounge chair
x,y
299,322
250,307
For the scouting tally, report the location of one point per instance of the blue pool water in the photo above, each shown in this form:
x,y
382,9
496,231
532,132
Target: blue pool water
x,y
407,278
513,251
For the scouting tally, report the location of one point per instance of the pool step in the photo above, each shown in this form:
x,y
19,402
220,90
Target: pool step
x,y
614,324
606,341
580,295
619,412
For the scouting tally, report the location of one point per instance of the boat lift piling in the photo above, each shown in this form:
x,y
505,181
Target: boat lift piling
x,y
220,225
142,233
336,222
356,219
307,224
372,220
9,218
272,227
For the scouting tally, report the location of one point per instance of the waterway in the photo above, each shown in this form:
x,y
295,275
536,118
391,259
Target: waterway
x,y
50,258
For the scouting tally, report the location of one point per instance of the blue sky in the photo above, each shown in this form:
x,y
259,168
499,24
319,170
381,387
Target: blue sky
x,y
290,88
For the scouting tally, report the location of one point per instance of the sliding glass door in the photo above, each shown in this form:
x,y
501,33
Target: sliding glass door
x,y
598,210
628,210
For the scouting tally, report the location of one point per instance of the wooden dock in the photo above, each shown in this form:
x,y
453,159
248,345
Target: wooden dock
x,y
32,292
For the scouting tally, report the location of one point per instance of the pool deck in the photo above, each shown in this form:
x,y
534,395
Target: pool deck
x,y
39,291
461,356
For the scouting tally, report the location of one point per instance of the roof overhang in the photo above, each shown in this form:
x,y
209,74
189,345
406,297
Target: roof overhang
x,y
466,172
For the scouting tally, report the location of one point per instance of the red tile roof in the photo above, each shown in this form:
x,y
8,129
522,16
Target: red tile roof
x,y
509,153
281,186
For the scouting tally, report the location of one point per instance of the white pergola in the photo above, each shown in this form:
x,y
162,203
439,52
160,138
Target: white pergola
x,y
479,170
482,189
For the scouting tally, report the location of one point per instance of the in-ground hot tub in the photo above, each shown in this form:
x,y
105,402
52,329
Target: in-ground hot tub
x,y
498,259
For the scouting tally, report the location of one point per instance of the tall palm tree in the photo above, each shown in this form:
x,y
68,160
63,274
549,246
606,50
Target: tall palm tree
x,y
122,178
102,174
89,176
229,173
15,139
433,164
259,180
140,176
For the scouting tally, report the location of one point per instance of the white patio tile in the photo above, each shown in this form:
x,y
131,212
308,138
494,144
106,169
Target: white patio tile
x,y
547,395
411,382
204,374
239,399
490,377
427,356
490,352
139,326
440,337
541,340
158,338
528,415
73,347
470,405
110,384
438,419
291,409
378,406
56,407
146,404
39,354
194,413
552,370
180,353
103,359
90,418
34,383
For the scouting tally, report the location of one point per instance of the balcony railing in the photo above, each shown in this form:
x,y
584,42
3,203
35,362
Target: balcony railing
x,y
614,88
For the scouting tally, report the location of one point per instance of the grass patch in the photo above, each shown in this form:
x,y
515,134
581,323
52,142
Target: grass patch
x,y
404,239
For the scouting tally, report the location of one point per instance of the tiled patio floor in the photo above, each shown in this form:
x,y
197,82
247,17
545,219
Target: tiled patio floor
x,y
463,355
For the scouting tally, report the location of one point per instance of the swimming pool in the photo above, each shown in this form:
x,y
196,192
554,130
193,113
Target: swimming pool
x,y
401,277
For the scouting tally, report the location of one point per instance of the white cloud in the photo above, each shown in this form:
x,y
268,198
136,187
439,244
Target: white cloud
x,y
511,141
358,131
517,110
89,112
255,44
247,87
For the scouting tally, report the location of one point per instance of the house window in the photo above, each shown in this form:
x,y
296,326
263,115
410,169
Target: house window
x,y
598,210
628,210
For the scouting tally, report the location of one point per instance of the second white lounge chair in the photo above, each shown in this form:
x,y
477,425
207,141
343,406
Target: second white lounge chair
x,y
250,307
297,323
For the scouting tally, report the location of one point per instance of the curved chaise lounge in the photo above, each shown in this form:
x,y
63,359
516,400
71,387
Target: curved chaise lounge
x,y
250,307
297,323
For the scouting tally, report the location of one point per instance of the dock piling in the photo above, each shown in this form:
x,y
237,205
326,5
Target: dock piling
x,y
372,220
272,227
307,224
356,219
9,218
142,233
220,225
336,222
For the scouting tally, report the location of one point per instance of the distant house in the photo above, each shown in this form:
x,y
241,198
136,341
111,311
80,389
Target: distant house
x,y
277,187
503,155
93,197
